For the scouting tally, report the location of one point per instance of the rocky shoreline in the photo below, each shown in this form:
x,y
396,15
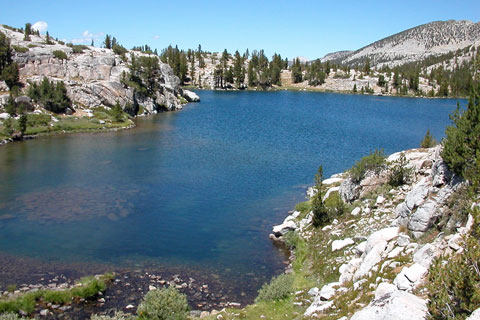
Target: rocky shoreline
x,y
23,275
385,245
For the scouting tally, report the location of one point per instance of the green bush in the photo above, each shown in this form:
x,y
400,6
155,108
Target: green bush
x,y
90,287
120,50
19,49
374,162
279,288
118,316
163,304
399,173
461,147
454,281
11,316
428,141
303,207
57,297
59,54
78,48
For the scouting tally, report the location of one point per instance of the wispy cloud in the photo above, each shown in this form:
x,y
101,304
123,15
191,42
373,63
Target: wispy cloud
x,y
41,26
156,37
87,37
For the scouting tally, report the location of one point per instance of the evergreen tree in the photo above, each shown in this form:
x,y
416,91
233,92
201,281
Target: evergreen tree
x,y
92,44
7,127
10,75
10,107
366,67
428,141
27,32
461,148
117,112
107,42
22,124
296,71
5,52
320,211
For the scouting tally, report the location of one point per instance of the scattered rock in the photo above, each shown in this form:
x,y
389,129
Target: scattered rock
x,y
383,289
355,212
340,244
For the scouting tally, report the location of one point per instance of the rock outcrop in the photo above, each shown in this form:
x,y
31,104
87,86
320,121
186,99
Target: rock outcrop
x,y
379,255
94,77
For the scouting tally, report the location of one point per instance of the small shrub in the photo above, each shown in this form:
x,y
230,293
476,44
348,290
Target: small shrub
x,y
59,54
428,141
454,282
374,162
90,286
120,50
163,304
279,288
57,297
303,207
291,239
78,48
11,316
399,173
19,49
118,316
11,287
31,45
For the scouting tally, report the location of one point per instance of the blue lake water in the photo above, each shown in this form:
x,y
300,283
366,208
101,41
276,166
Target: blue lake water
x,y
198,188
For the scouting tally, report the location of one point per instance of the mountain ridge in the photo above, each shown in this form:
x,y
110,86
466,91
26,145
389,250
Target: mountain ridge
x,y
414,44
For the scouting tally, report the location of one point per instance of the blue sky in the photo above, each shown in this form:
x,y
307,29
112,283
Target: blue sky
x,y
291,28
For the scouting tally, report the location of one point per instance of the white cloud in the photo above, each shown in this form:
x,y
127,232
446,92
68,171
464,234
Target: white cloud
x,y
156,37
41,26
87,37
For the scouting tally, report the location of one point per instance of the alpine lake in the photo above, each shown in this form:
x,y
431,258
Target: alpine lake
x,y
194,192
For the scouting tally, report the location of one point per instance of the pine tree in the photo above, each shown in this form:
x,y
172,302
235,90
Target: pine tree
x,y
5,52
10,75
22,124
428,141
320,211
27,32
461,148
108,42
117,112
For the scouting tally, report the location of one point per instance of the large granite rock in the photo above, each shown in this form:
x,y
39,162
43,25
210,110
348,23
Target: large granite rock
x,y
397,305
349,190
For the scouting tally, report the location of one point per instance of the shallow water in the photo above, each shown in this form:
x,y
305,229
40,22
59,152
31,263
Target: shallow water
x,y
199,188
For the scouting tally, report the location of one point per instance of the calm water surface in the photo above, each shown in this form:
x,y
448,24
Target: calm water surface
x,y
198,188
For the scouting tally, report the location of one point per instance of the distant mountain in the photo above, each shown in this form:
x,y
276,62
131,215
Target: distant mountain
x,y
415,44
339,55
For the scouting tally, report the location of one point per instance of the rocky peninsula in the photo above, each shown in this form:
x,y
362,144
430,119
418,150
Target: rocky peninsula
x,y
95,80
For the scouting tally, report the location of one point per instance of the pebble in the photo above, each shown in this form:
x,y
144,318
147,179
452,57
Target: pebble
x,y
130,306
